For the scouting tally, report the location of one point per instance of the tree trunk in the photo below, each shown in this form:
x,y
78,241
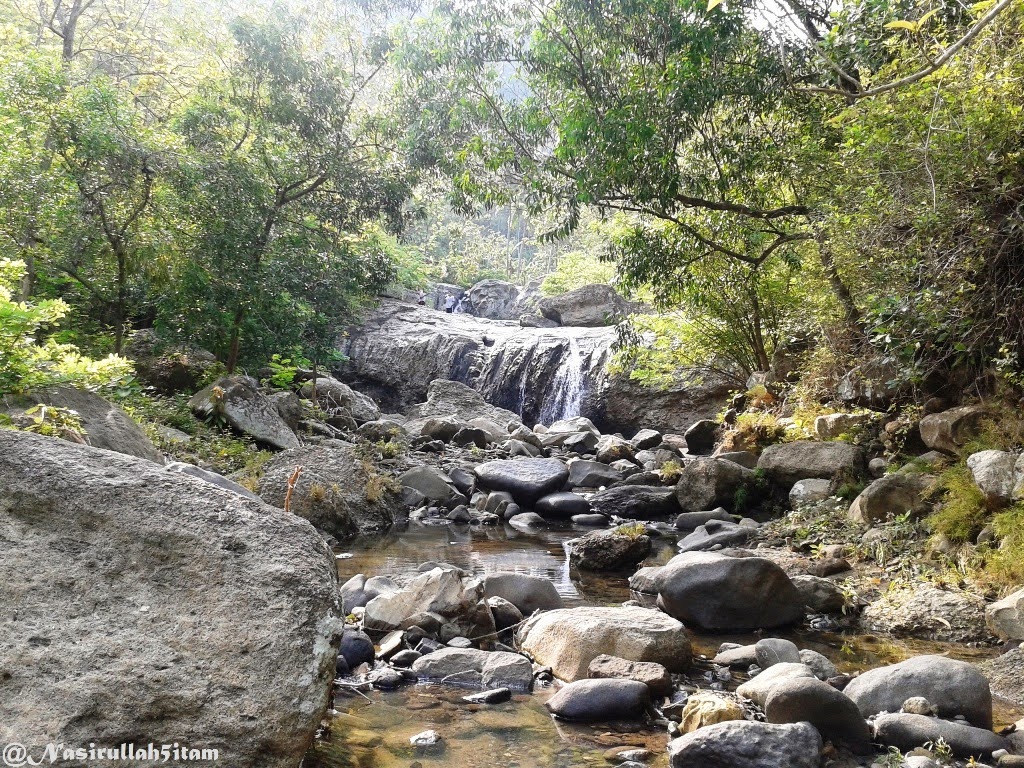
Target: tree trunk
x,y
851,315
235,345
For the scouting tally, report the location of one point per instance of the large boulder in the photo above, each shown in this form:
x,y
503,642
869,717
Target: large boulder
x,y
616,549
168,369
760,687
890,496
562,505
926,612
336,490
433,484
453,597
909,731
786,463
526,479
591,305
1005,673
1005,618
332,394
997,475
590,700
592,474
498,669
636,502
812,701
452,398
527,593
950,430
706,483
745,744
569,639
723,593
137,601
240,403
494,299
106,426
952,687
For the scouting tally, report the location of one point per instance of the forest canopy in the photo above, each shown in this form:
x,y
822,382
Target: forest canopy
x,y
245,177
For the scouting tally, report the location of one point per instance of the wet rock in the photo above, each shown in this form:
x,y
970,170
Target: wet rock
x,y
357,648
927,612
336,491
526,521
706,708
332,394
636,502
644,580
953,687
493,696
741,656
759,688
743,744
433,484
476,668
891,496
526,479
706,483
650,673
445,662
906,732
590,520
787,463
723,593
526,593
448,594
702,436
775,650
507,670
592,700
820,595
106,426
810,700
612,550
161,605
568,640
238,400
386,679
427,740
1005,618
562,505
949,430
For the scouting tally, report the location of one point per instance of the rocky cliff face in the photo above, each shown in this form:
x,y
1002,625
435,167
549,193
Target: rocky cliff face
x,y
543,374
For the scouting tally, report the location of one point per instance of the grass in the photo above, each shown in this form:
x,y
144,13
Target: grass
x,y
961,514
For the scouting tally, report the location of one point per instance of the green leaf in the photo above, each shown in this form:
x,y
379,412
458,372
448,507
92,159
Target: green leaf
x,y
910,26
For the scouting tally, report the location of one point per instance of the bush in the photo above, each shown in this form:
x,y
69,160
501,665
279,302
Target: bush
x,y
962,513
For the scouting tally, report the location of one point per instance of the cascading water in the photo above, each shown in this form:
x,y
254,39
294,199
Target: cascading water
x,y
565,393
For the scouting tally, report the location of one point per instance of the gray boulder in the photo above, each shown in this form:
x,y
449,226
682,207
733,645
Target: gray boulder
x,y
240,403
636,502
759,688
776,650
723,593
787,463
809,491
820,595
809,700
527,593
646,439
494,299
156,603
953,687
1005,618
336,491
907,732
567,640
591,305
924,611
591,700
691,521
332,394
526,479
745,744
702,436
452,398
610,448
499,669
611,550
950,430
359,590
706,483
106,426
433,484
715,534
890,496
650,673
997,474
562,505
592,474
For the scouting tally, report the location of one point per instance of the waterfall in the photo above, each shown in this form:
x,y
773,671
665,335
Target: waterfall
x,y
564,395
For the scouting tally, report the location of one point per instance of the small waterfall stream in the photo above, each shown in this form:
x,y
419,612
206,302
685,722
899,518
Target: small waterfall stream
x,y
564,394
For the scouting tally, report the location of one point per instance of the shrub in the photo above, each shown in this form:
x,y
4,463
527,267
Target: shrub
x,y
962,513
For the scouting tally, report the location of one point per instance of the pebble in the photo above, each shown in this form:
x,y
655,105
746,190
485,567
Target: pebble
x,y
426,739
493,696
460,642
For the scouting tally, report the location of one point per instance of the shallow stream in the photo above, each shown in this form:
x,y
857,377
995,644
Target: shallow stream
x,y
374,731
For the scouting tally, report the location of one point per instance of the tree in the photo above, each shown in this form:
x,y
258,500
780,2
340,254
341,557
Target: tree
x,y
284,167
